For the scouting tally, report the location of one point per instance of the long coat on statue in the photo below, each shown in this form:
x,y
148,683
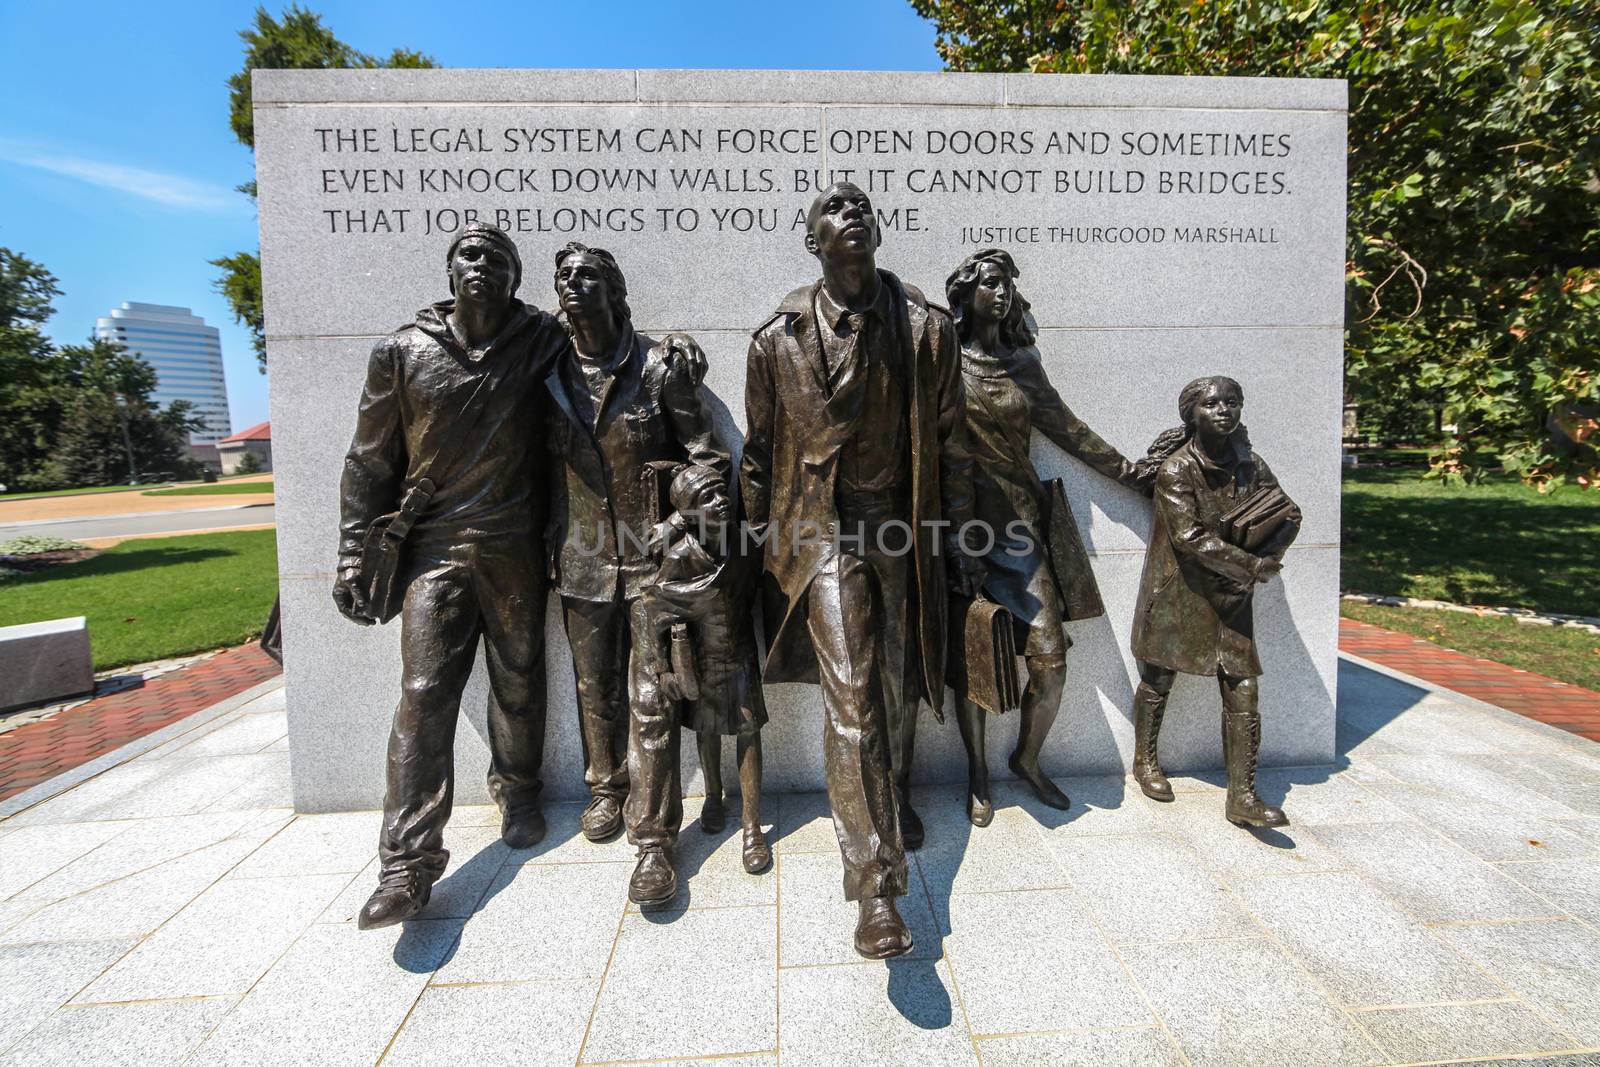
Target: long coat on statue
x,y
791,458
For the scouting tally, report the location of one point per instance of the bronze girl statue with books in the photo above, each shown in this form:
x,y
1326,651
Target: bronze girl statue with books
x,y
1222,525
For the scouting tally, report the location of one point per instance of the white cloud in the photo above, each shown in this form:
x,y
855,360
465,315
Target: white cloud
x,y
171,190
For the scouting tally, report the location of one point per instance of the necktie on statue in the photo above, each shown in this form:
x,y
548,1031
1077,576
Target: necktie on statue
x,y
847,379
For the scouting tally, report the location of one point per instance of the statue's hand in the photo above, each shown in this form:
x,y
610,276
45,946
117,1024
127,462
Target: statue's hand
x,y
1267,569
349,597
685,349
670,686
1143,476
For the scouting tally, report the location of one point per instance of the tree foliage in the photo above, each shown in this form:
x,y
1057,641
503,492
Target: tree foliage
x,y
64,408
1474,199
297,41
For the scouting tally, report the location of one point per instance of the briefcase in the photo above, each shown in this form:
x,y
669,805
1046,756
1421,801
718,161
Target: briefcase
x,y
381,550
1069,563
982,656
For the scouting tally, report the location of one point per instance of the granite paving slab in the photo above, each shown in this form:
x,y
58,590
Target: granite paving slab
x,y
152,1034
1032,961
1431,878
583,901
1573,884
1363,949
39,978
720,998
1246,1003
1151,887
906,1011
1146,1046
1552,965
1461,1031
337,996
220,943
1487,830
537,1024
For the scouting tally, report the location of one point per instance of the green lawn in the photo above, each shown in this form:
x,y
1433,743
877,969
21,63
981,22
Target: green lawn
x,y
1497,543
68,492
214,489
151,599
1571,656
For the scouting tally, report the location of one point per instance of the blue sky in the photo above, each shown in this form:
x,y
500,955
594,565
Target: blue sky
x,y
117,166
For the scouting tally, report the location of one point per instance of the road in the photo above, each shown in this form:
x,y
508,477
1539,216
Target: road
x,y
85,529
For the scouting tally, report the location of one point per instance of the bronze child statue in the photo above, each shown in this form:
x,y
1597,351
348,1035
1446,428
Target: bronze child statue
x,y
1222,525
1008,396
700,644
441,522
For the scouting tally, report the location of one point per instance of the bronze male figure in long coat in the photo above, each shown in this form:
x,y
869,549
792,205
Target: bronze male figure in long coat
x,y
855,473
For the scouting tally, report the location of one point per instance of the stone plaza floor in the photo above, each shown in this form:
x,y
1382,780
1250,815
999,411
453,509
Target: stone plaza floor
x,y
1436,899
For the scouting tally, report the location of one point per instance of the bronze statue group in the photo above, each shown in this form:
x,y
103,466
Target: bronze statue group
x,y
502,451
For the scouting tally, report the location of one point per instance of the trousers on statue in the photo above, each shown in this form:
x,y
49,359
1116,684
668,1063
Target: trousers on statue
x,y
856,618
455,595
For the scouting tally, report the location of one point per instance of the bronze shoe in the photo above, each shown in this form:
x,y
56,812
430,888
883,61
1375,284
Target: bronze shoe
x,y
400,895
601,819
1043,788
757,853
980,810
654,881
713,815
522,829
880,932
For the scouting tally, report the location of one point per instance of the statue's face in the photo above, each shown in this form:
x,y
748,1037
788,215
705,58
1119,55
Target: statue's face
x,y
712,502
481,270
841,223
581,287
991,300
1218,412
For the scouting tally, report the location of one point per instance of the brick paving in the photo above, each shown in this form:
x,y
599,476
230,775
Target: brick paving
x,y
39,751
1570,707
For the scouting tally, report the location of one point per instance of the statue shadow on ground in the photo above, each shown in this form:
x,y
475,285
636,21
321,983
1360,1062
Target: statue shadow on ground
x,y
917,993
415,951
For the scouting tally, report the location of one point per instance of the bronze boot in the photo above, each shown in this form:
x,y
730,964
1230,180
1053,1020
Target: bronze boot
x,y
1148,708
1241,744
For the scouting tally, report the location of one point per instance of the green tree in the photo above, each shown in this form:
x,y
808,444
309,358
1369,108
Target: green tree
x,y
297,41
105,410
1474,200
26,291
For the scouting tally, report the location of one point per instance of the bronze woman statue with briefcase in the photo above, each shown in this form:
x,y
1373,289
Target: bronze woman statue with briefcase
x,y
1035,566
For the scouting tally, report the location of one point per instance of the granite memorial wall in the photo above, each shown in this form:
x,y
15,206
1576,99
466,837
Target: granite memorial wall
x,y
1165,228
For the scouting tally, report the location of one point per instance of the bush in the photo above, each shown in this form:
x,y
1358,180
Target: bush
x,y
33,546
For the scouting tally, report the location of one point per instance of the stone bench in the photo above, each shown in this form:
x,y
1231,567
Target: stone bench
x,y
42,661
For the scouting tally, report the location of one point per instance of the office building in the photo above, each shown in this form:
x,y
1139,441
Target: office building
x,y
186,355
